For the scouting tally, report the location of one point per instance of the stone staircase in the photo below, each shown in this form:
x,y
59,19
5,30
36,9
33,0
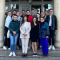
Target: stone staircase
x,y
53,55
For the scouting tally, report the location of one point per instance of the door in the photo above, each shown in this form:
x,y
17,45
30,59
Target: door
x,y
37,9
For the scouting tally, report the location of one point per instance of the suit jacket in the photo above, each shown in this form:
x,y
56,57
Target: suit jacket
x,y
54,22
26,30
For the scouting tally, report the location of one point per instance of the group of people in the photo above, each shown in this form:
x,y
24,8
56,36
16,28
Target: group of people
x,y
30,29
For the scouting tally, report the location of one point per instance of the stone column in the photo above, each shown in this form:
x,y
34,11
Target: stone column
x,y
2,13
57,13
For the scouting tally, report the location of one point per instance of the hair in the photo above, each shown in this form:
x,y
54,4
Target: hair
x,y
46,11
23,20
23,10
32,9
15,15
28,10
32,24
14,10
43,18
50,9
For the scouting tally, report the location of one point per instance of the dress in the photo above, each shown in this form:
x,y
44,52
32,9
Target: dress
x,y
34,33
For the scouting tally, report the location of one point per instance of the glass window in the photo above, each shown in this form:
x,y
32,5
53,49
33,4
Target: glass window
x,y
47,0
14,7
47,7
24,0
6,0
15,0
26,7
36,0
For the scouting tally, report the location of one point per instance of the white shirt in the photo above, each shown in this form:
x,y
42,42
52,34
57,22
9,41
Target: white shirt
x,y
8,20
50,22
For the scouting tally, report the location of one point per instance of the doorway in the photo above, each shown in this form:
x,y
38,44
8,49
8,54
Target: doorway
x,y
37,9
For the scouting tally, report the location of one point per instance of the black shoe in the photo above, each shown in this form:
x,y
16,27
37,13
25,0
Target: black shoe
x,y
46,54
43,55
25,55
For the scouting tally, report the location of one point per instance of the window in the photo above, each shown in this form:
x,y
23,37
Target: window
x,y
36,0
15,0
6,0
24,0
47,0
14,7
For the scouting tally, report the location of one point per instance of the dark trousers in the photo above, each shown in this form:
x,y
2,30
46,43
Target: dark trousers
x,y
51,37
7,40
44,44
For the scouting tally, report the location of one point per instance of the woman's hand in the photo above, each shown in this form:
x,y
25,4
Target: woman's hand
x,y
24,34
47,36
14,32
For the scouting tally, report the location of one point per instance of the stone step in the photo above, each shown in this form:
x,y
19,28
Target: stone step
x,y
29,58
19,52
53,55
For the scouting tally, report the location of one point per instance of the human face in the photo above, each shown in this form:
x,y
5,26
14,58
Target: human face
x,y
25,19
42,20
38,15
42,13
18,14
46,13
34,19
51,12
15,18
23,12
14,12
9,13
32,11
28,13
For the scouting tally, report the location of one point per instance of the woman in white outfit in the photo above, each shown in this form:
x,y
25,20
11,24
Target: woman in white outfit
x,y
25,35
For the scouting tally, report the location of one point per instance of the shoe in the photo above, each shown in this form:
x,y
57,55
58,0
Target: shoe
x,y
33,54
4,47
46,54
49,47
53,48
14,54
10,54
43,55
8,48
25,55
36,54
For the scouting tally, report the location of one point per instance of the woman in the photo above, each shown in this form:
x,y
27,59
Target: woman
x,y
34,35
44,36
38,21
25,35
14,30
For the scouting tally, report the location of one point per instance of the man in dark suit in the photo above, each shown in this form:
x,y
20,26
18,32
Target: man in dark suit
x,y
52,21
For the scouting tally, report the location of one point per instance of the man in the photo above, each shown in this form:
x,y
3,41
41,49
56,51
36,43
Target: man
x,y
19,18
46,14
52,21
14,13
32,13
23,13
7,22
29,17
42,14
